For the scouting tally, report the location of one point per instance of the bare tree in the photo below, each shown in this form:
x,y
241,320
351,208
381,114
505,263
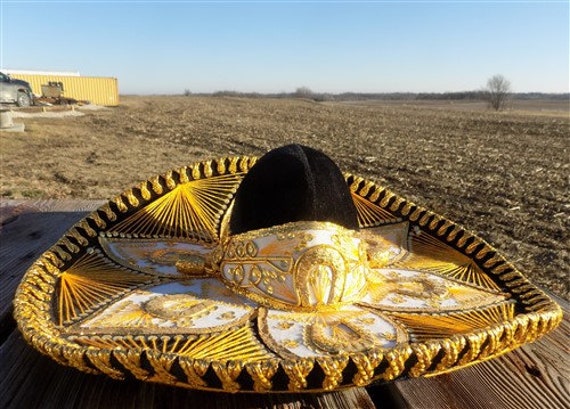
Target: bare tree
x,y
303,92
498,92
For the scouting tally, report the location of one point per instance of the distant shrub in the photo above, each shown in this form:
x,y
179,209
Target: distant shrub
x,y
304,92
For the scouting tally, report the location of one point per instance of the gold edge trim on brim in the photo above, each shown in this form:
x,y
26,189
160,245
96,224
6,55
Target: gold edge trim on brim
x,y
32,304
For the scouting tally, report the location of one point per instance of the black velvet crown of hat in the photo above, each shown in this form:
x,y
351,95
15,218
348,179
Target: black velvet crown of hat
x,y
289,184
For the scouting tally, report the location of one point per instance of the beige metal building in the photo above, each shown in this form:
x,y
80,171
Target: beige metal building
x,y
97,90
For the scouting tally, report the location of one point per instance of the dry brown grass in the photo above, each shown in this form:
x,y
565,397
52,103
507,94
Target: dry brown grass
x,y
504,175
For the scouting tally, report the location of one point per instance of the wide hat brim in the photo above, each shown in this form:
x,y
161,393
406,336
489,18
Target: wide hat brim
x,y
110,297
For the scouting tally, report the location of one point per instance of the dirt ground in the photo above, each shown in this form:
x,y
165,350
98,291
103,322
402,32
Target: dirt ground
x,y
503,175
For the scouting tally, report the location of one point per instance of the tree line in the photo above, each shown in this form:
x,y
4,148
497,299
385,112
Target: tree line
x,y
363,96
496,93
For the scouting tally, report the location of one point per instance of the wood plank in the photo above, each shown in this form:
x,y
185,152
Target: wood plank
x,y
535,376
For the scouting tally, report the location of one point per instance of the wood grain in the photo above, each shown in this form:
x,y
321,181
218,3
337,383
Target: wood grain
x,y
535,376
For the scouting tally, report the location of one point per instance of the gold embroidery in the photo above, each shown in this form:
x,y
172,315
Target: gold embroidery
x,y
297,371
230,315
396,286
428,326
304,265
234,344
431,255
160,257
335,336
262,372
228,372
425,353
326,333
161,365
191,265
290,343
91,281
179,307
304,238
102,361
409,290
190,210
194,371
370,214
284,325
365,366
332,368
131,360
396,362
320,277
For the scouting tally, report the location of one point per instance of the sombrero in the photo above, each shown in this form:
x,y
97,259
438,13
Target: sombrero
x,y
273,275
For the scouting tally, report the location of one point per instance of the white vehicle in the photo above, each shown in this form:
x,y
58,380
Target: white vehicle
x,y
13,91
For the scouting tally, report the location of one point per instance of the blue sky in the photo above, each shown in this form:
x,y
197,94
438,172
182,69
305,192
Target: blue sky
x,y
362,46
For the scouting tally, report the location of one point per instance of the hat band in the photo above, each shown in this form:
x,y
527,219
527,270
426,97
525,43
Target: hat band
x,y
303,265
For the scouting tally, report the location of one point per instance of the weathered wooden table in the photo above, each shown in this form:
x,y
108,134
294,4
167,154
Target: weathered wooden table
x,y
535,376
